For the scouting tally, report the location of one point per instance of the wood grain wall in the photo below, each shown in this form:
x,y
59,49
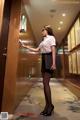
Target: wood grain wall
x,y
12,59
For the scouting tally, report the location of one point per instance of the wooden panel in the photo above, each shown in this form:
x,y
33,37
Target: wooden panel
x,y
1,16
77,31
73,41
70,64
74,62
3,44
12,59
27,62
78,61
73,87
69,42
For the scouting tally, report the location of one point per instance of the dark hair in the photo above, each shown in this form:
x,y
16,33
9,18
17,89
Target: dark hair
x,y
49,30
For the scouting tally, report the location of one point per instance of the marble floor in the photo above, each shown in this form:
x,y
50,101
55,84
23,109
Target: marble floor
x,y
67,106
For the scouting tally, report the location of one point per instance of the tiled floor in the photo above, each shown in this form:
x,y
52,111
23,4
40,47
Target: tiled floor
x,y
67,107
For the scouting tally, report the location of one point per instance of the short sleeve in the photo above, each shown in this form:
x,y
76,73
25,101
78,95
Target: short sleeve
x,y
52,41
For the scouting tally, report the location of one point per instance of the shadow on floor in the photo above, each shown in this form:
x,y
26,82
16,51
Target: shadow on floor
x,y
54,116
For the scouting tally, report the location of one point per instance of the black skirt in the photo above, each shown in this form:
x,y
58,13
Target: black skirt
x,y
46,63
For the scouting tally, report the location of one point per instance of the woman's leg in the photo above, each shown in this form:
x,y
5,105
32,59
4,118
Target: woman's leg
x,y
47,90
46,100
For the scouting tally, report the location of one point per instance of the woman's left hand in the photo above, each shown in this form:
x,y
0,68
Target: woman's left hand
x,y
53,67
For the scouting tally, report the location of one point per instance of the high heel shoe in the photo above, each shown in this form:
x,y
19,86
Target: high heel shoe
x,y
44,111
49,111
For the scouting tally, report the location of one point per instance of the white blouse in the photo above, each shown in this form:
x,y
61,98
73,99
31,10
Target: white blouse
x,y
45,45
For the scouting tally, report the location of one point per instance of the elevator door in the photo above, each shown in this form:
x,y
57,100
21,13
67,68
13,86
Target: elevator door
x,y
3,44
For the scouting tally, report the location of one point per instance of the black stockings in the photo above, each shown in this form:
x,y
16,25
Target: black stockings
x,y
47,90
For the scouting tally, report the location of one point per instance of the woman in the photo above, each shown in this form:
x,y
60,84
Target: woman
x,y
48,51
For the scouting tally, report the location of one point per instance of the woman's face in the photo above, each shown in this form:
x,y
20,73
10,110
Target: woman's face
x,y
44,33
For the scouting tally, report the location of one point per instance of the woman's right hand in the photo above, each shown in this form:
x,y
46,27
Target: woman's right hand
x,y
22,45
20,42
53,67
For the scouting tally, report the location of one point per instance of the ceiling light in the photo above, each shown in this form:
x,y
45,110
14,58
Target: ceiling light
x,y
64,14
59,28
61,22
